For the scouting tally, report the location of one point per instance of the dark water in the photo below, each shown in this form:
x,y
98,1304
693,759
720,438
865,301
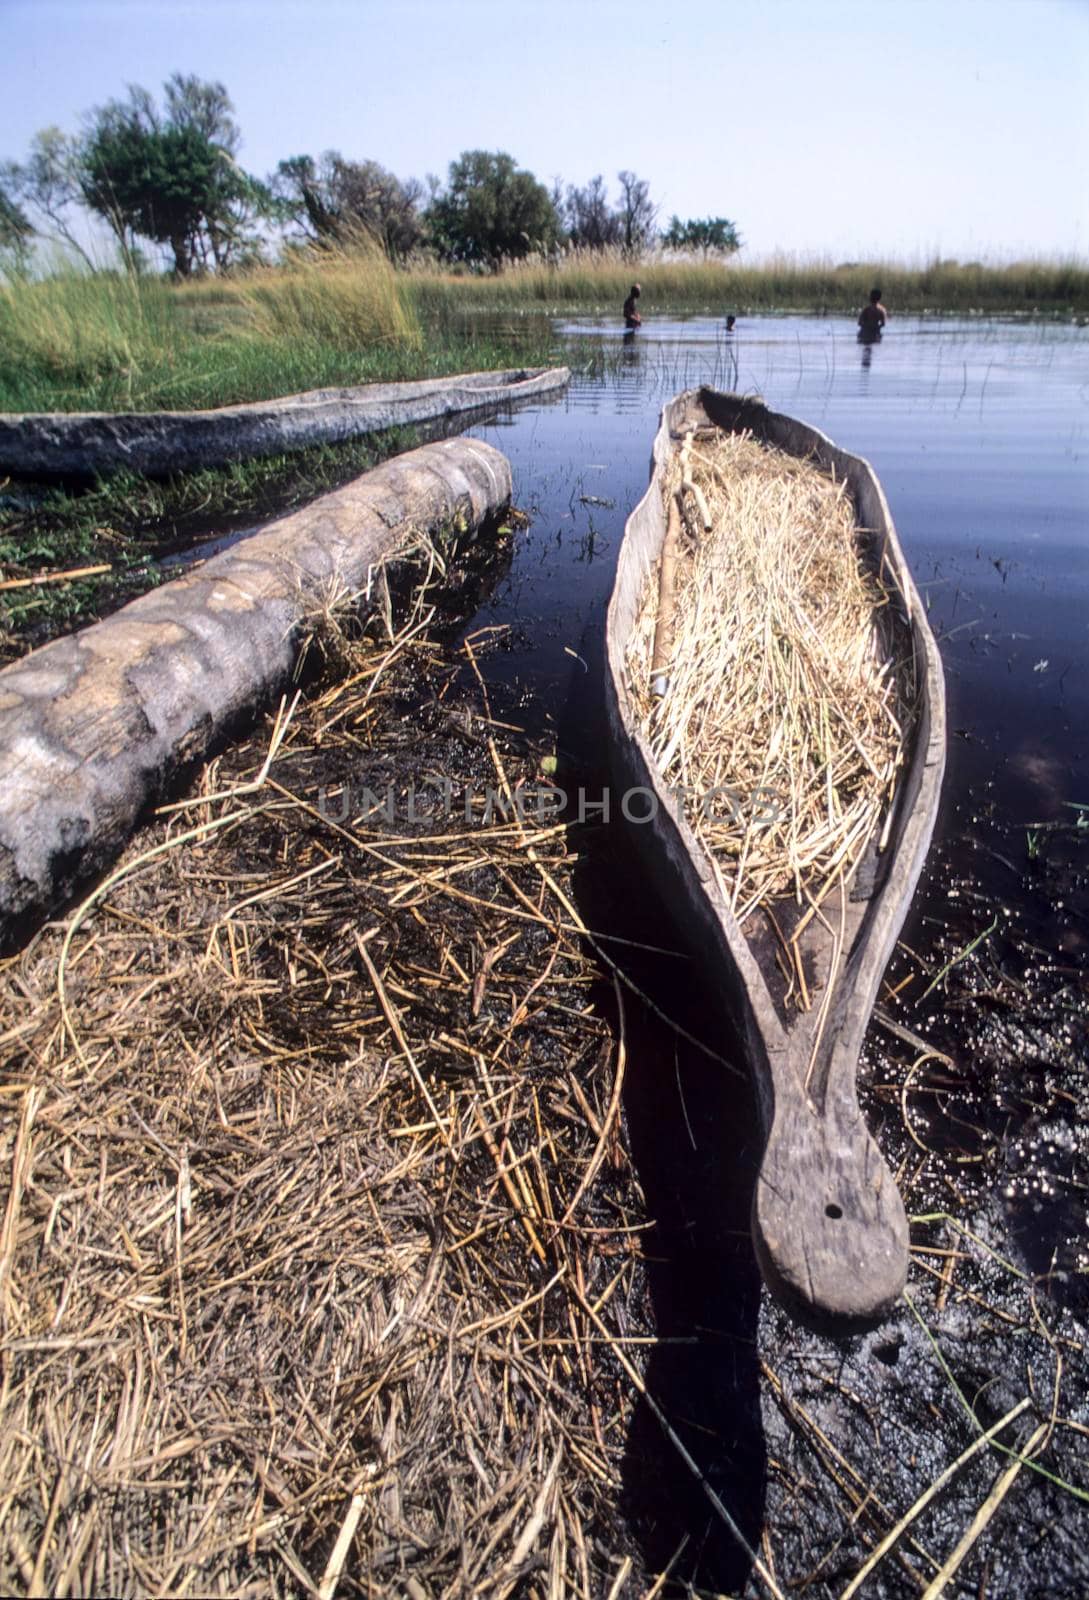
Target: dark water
x,y
979,432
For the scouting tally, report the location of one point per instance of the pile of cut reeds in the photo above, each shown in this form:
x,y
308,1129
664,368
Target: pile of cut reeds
x,y
321,1264
783,721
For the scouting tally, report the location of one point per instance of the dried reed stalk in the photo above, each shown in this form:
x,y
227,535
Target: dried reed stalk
x,y
785,714
298,1204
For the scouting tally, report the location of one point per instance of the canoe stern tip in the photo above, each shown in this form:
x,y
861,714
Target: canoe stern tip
x,y
831,1237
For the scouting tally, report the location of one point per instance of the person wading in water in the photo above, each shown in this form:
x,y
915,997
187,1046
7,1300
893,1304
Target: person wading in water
x,y
632,319
872,318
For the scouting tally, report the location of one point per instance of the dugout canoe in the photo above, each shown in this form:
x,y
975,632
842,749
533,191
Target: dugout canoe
x,y
96,727
828,1222
83,445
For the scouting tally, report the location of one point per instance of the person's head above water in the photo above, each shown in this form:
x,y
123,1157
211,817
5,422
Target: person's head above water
x,y
875,297
635,290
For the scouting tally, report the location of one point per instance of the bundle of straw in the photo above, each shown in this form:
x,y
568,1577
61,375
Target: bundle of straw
x,y
319,1256
783,718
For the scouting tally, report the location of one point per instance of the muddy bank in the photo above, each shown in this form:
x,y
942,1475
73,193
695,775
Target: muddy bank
x,y
818,1448
94,726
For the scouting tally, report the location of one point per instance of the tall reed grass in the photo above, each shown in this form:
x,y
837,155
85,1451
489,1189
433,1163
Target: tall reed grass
x,y
344,299
76,329
106,340
600,281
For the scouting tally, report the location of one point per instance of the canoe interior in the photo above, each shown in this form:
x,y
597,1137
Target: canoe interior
x,y
820,1166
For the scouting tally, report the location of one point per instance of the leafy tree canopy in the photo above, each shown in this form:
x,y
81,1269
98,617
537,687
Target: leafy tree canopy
x,y
204,107
712,235
331,199
169,172
491,210
172,177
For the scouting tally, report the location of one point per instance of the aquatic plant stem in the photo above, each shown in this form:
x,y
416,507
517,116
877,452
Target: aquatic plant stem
x,y
982,1517
1061,1483
960,956
881,1550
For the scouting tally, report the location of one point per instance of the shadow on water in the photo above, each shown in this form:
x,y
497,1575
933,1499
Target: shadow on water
x,y
693,1134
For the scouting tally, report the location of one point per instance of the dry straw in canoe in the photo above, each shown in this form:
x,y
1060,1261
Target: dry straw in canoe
x,y
783,714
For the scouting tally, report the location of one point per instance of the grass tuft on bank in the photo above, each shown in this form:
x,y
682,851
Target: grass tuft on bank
x,y
345,301
105,341
73,332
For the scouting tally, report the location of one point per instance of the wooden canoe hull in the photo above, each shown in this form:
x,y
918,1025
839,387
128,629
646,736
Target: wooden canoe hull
x,y
88,444
96,726
828,1223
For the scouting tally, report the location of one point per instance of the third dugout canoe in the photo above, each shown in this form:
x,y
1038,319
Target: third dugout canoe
x,y
82,445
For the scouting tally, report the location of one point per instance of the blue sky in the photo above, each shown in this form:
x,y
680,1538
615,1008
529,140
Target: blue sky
x,y
901,127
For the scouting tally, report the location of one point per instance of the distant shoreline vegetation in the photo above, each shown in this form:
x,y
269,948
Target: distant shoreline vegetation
x,y
599,280
102,340
332,270
83,339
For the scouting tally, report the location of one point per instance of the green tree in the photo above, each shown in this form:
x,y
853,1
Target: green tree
x,y
331,199
302,192
239,200
711,235
491,210
173,178
16,230
204,107
592,224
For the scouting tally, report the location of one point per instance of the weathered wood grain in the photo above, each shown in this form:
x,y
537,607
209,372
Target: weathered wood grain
x,y
87,444
93,727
